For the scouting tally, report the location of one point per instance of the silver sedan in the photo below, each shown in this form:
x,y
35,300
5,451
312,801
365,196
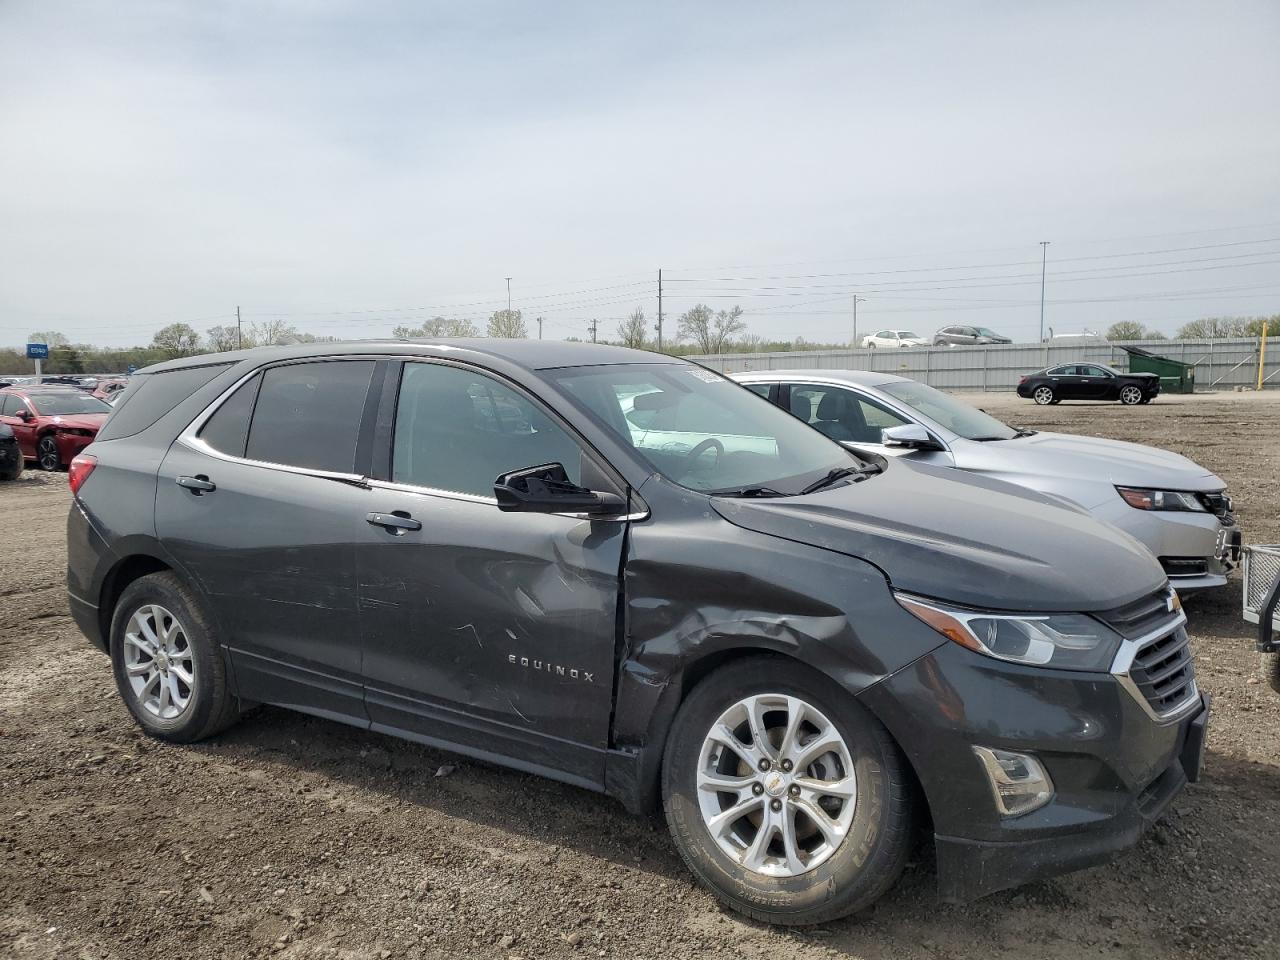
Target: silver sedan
x,y
1178,509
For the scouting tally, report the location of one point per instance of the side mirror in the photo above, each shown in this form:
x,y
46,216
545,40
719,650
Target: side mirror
x,y
909,435
547,489
24,415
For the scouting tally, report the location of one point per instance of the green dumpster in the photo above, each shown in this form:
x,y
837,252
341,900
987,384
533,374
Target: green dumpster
x,y
1175,376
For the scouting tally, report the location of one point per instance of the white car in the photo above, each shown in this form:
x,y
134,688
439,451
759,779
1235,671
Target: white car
x,y
1176,508
894,338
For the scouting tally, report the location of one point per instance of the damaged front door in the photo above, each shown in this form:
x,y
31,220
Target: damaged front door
x,y
490,631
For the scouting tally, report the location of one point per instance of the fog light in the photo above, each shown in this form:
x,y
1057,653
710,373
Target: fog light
x,y
1018,780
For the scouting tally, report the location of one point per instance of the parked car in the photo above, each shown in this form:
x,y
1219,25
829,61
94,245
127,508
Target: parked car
x,y
1175,507
10,454
1088,381
52,424
894,338
106,390
962,336
783,645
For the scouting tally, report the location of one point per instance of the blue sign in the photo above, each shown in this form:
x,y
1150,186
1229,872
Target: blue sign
x,y
37,351
133,368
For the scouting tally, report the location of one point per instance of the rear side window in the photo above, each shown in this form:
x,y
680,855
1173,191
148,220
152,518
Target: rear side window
x,y
154,395
9,405
308,414
227,431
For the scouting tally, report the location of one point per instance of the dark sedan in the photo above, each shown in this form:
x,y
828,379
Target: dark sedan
x,y
1088,381
10,455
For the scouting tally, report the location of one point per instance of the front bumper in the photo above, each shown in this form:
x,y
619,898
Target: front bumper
x,y
70,444
1115,768
1196,550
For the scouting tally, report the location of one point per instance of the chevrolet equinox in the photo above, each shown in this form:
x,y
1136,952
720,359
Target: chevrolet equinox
x,y
626,572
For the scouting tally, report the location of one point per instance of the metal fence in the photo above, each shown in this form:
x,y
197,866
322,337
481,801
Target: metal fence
x,y
1220,364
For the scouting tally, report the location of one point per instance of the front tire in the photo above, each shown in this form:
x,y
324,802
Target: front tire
x,y
47,453
785,796
1043,395
165,657
1130,395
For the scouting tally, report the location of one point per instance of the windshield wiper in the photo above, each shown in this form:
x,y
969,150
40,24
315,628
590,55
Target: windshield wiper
x,y
749,492
1025,433
839,473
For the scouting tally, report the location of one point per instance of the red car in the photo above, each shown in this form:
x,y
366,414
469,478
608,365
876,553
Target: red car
x,y
52,424
107,389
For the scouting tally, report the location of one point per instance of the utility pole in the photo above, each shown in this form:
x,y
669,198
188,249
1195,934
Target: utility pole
x,y
239,335
539,327
1044,258
508,296
659,309
856,298
593,327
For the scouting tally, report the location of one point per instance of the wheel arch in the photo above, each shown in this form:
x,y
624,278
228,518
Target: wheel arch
x,y
636,781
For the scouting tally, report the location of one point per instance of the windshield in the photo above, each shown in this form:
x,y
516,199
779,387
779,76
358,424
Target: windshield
x,y
702,430
957,416
64,404
988,332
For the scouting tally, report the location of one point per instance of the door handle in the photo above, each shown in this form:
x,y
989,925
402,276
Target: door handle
x,y
199,485
396,522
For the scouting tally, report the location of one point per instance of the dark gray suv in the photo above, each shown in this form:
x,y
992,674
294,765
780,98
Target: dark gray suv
x,y
627,572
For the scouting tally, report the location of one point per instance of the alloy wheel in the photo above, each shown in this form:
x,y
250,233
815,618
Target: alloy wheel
x,y
1130,395
159,662
47,454
776,785
1043,395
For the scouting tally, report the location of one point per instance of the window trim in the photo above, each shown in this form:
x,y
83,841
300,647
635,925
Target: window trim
x,y
190,437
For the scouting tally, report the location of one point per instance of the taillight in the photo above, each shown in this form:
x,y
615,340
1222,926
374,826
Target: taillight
x,y
78,472
1022,380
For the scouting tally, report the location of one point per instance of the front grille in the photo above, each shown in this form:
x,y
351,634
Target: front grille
x,y
1184,566
1164,672
1140,617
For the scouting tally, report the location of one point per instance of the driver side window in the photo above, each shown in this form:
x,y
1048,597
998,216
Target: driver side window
x,y
459,430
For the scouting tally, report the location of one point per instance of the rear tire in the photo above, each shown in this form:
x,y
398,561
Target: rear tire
x,y
1044,395
167,662
1130,395
801,871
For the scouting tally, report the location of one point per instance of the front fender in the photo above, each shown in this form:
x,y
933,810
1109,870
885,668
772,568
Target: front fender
x,y
699,591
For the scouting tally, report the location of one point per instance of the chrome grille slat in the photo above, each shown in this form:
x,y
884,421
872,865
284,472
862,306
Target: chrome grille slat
x,y
1155,663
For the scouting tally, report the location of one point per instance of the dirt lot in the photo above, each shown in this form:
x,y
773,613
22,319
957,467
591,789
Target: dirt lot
x,y
297,837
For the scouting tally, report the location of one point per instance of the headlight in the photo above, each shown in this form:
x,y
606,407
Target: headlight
x,y
1065,641
1144,499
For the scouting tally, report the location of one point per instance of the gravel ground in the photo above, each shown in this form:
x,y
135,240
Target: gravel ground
x,y
295,837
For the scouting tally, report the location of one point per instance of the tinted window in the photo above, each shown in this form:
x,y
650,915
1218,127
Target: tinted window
x,y
228,429
1095,372
957,416
308,415
1069,371
460,430
9,405
150,396
760,388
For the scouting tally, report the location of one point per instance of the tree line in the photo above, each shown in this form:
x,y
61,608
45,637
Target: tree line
x,y
1206,328
699,330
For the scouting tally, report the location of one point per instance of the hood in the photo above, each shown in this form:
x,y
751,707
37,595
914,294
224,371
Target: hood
x,y
77,421
941,533
1066,456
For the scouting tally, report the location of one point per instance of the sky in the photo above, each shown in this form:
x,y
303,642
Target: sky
x,y
350,167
